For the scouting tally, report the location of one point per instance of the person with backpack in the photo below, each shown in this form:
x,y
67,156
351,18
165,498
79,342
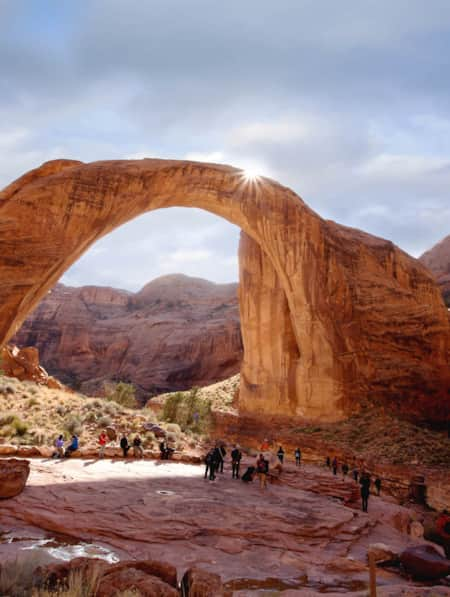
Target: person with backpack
x,y
73,447
210,464
102,439
262,468
334,465
280,454
138,452
365,489
124,445
298,456
378,485
236,456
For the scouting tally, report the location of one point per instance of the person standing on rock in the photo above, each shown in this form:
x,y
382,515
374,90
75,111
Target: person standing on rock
x,y
344,470
298,456
102,438
365,489
236,456
280,454
334,465
124,445
262,468
355,474
209,465
138,452
378,485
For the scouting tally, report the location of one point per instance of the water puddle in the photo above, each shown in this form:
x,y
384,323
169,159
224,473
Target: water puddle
x,y
60,547
271,586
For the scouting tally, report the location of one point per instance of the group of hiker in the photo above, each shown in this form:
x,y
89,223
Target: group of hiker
x,y
103,439
363,477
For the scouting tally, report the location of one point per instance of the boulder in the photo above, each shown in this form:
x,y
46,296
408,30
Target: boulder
x,y
424,562
199,583
111,433
381,552
8,450
13,476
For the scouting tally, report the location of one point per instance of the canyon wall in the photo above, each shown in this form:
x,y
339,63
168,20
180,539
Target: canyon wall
x,y
368,320
176,333
437,260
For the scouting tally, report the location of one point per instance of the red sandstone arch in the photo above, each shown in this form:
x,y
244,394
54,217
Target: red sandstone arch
x,y
329,314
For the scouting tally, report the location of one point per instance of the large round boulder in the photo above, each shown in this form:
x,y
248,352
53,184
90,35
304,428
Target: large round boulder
x,y
13,476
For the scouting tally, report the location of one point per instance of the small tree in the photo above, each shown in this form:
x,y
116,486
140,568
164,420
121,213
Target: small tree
x,y
124,394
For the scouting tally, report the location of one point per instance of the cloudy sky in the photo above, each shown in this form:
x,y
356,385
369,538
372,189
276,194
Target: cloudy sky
x,y
348,103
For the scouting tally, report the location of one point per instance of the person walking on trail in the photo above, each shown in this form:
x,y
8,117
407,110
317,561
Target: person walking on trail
x,y
378,485
210,465
223,452
334,465
124,445
355,474
365,489
138,452
280,454
73,447
344,470
298,456
328,462
262,468
102,439
236,456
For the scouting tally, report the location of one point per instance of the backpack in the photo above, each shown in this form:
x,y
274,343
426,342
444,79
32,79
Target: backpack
x,y
209,458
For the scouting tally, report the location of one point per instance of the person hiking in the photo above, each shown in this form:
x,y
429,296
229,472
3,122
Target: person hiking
x,y
344,470
222,458
262,468
334,465
124,445
236,456
355,474
378,485
72,447
328,462
298,456
280,454
102,439
59,445
365,489
138,452
210,465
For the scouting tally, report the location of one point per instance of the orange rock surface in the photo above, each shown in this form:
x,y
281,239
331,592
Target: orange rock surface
x,y
437,260
367,319
24,365
13,476
176,333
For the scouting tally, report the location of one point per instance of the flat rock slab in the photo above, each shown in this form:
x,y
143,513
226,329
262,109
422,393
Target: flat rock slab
x,y
166,511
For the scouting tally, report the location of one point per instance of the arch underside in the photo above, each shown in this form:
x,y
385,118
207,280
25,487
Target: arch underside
x,y
329,315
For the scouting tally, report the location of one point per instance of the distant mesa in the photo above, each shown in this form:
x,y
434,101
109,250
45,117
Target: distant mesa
x,y
437,259
175,333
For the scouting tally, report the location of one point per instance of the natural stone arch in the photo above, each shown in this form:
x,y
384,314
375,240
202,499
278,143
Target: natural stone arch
x,y
344,307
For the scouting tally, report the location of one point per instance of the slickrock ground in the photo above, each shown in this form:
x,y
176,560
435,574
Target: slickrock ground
x,y
175,333
295,533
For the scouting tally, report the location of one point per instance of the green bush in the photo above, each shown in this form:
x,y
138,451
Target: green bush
x,y
124,394
73,425
20,427
190,412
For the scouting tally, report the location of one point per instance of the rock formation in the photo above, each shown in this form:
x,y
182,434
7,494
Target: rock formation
x,y
13,476
24,365
176,333
437,260
367,319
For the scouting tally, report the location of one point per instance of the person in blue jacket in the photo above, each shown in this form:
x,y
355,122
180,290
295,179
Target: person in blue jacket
x,y
72,447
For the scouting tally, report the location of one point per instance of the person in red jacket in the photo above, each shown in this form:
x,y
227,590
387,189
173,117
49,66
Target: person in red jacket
x,y
102,439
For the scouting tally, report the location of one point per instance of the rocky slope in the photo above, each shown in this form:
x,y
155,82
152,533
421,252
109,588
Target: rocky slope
x,y
177,332
437,259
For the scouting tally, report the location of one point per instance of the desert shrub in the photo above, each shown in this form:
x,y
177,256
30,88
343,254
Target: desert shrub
x,y
173,428
73,425
7,419
90,417
38,437
16,576
32,402
61,410
122,393
104,421
189,411
110,408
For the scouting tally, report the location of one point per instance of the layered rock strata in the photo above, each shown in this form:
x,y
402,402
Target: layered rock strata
x,y
176,333
437,260
368,320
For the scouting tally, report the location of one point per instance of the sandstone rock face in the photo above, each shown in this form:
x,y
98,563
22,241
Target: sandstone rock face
x,y
24,365
13,476
368,320
176,333
437,260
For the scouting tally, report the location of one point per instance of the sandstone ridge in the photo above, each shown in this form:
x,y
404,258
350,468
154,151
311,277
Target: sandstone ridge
x,y
437,260
175,333
359,317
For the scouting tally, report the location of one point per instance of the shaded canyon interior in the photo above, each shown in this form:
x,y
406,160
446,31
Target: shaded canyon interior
x,y
329,315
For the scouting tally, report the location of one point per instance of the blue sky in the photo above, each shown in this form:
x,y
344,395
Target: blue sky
x,y
347,103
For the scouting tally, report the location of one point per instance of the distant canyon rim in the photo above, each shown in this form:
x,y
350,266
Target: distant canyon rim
x,y
329,315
